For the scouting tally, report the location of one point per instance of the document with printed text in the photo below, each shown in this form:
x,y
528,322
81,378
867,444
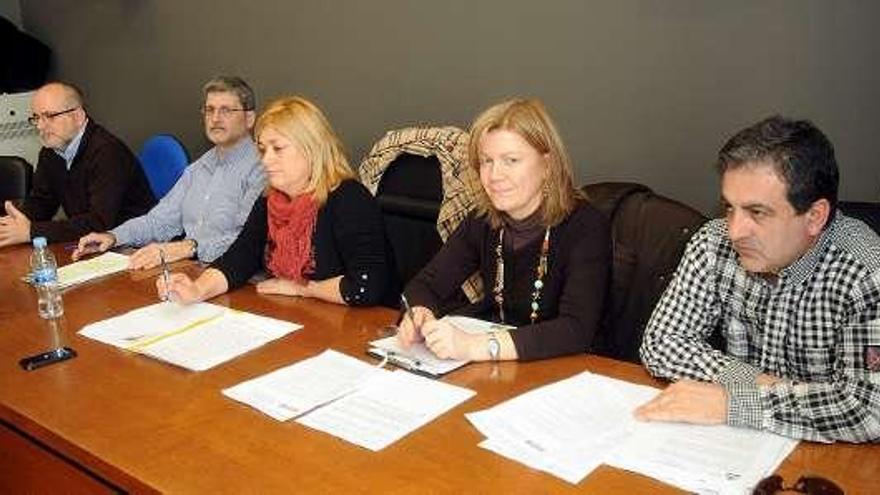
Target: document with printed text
x,y
386,408
570,427
196,337
297,389
82,271
100,266
361,403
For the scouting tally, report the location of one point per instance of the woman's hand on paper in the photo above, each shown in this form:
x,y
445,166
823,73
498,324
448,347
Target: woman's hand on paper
x,y
180,289
447,341
408,331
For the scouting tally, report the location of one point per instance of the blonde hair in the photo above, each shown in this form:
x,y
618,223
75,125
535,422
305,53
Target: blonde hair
x,y
299,120
529,119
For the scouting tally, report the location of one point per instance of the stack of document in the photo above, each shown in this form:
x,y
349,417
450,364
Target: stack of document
x,y
196,337
703,459
350,399
92,268
419,359
570,427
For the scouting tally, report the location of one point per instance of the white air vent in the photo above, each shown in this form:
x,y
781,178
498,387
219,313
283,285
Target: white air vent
x,y
17,137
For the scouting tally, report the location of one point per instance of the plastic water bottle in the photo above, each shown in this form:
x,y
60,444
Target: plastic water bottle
x,y
44,271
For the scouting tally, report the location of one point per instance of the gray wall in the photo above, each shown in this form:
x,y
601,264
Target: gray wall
x,y
11,9
642,90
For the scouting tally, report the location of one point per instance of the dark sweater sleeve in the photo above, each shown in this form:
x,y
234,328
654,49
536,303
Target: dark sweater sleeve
x,y
42,203
110,173
359,236
585,262
457,260
245,255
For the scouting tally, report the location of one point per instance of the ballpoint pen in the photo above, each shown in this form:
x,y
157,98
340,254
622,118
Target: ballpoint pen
x,y
408,309
166,277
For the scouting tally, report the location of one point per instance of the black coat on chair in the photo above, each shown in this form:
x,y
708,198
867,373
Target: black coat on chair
x,y
409,194
15,178
649,233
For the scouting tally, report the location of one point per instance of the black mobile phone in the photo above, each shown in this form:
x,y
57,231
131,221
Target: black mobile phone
x,y
54,356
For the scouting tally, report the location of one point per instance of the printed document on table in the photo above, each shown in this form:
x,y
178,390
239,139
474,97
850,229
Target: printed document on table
x,y
386,408
703,459
419,359
564,428
82,271
570,427
197,337
297,389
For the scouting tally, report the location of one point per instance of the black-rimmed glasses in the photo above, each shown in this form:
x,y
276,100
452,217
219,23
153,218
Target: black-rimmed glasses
x,y
811,485
221,111
35,118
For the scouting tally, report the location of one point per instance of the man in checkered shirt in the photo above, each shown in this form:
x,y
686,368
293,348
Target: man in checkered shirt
x,y
794,287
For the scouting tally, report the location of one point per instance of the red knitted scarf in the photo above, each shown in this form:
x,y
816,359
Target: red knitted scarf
x,y
291,222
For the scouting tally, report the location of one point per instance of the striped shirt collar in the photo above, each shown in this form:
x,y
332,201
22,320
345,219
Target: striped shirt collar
x,y
238,152
69,152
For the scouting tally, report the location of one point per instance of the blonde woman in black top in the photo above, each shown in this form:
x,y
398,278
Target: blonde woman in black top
x,y
318,232
543,253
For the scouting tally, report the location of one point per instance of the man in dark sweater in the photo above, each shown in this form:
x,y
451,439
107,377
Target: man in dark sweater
x,y
82,168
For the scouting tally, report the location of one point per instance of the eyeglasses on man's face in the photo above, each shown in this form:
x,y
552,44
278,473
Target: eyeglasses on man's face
x,y
35,118
224,112
811,485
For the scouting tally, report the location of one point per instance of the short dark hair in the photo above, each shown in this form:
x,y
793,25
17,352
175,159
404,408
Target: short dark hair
x,y
234,85
799,152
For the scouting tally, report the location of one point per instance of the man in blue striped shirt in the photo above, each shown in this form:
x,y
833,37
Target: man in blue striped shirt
x,y
210,202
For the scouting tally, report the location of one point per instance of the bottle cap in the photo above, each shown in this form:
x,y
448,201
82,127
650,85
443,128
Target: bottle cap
x,y
39,242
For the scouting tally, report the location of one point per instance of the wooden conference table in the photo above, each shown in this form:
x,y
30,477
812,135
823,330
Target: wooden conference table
x,y
109,420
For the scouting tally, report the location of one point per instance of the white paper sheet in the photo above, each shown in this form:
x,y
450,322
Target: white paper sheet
x,y
92,268
703,459
296,389
388,407
563,428
419,359
570,427
196,337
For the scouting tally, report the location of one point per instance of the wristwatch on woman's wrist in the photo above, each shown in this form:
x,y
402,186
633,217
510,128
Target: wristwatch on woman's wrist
x,y
494,347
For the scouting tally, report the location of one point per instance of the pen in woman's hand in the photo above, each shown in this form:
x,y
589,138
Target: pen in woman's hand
x,y
166,276
409,312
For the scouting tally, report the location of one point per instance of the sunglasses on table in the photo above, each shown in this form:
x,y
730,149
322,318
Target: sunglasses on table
x,y
811,485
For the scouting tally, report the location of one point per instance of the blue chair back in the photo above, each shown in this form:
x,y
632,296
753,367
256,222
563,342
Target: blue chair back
x,y
163,158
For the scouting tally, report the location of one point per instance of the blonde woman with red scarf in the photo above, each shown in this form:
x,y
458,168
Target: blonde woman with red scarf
x,y
317,231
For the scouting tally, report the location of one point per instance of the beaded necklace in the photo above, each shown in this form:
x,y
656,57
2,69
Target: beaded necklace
x,y
540,271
